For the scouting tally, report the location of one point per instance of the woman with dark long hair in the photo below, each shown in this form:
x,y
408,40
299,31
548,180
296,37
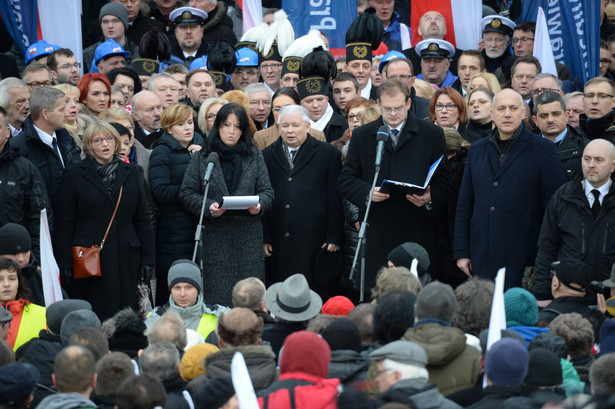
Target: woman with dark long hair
x,y
233,244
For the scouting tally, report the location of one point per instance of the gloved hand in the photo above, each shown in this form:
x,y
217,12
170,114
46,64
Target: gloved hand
x,y
145,274
66,276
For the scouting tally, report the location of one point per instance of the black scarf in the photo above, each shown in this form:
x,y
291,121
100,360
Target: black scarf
x,y
107,172
230,161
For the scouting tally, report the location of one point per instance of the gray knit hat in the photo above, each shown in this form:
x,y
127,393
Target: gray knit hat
x,y
5,316
58,310
185,271
115,9
436,300
77,320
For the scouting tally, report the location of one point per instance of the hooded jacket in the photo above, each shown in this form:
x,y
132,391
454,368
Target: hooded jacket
x,y
451,363
71,400
348,366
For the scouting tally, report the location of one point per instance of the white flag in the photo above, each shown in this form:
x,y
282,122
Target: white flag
x,y
497,322
242,382
542,44
49,268
252,13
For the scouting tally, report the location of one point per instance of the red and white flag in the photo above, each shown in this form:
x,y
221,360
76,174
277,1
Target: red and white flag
x,y
50,272
252,12
542,44
462,20
60,23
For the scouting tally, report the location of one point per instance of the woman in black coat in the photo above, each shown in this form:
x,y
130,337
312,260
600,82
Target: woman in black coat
x,y
232,243
167,166
89,192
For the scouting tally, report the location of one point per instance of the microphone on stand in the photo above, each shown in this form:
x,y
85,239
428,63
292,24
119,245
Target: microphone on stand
x,y
381,137
211,161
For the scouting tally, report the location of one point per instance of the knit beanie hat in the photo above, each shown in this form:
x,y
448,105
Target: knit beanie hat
x,y
403,255
191,365
342,334
128,336
521,308
305,352
115,9
185,271
544,368
215,393
551,342
14,238
338,305
58,310
436,300
77,320
506,362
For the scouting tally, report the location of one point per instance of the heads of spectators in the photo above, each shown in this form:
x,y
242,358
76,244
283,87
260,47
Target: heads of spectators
x,y
169,328
185,283
109,55
91,339
208,112
390,278
111,370
546,82
47,109
484,80
74,371
160,359
189,29
479,105
260,103
506,363
345,87
576,331
384,10
147,110
313,96
394,102
397,361
605,58
363,317
435,59
523,38
497,31
64,67
432,25
36,75
113,19
141,391
507,112
294,125
165,87
354,110
602,377
179,71
474,305
550,114
95,92
15,99
448,109
523,73
574,107
598,162
178,121
470,62
127,80
239,327
200,86
246,72
393,315
599,97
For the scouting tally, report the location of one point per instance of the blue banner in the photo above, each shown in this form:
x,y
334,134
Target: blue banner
x,y
574,30
21,20
333,17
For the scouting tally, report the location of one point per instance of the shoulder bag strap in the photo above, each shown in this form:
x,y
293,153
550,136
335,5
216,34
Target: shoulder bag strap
x,y
117,204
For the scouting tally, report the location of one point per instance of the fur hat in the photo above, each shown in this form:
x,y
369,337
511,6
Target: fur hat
x,y
521,308
128,335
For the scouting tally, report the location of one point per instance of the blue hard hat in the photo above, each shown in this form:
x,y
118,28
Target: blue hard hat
x,y
40,49
200,62
107,49
390,56
246,57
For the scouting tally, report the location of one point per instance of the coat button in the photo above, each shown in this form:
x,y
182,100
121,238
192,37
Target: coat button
x,y
288,206
492,209
495,183
290,179
287,234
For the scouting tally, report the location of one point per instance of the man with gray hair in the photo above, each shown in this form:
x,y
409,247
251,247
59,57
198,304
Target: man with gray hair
x,y
250,293
165,87
402,377
574,107
602,377
259,99
15,98
546,82
43,139
306,220
147,110
161,359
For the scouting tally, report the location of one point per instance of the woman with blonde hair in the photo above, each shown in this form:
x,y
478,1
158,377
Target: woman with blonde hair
x,y
90,191
207,113
75,123
168,163
484,80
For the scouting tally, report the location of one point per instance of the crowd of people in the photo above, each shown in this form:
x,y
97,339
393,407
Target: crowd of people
x,y
337,220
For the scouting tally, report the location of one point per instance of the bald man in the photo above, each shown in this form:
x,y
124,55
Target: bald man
x,y
579,220
432,25
508,181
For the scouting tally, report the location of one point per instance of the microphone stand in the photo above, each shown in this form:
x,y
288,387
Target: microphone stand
x,y
197,235
362,241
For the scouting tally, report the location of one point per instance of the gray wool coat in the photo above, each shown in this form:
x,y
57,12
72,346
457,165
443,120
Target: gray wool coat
x,y
233,245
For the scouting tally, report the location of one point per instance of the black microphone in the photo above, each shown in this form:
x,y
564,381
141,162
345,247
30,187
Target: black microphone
x,y
381,136
211,159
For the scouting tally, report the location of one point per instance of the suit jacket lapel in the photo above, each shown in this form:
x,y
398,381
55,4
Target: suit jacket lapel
x,y
304,155
89,172
518,147
279,156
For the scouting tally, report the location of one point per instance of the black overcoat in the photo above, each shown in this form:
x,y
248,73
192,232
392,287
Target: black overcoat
x,y
82,216
307,209
396,220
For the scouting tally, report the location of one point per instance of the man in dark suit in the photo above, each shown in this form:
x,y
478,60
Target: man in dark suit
x,y
508,181
307,210
413,146
43,139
